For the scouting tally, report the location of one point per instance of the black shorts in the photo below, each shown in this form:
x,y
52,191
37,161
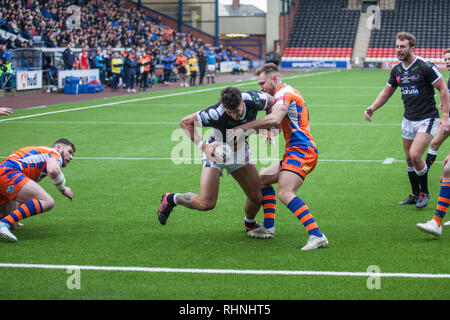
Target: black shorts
x,y
182,70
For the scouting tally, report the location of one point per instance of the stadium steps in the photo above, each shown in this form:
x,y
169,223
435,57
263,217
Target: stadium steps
x,y
362,40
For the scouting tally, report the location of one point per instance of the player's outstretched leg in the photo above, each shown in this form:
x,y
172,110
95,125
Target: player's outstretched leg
x,y
165,208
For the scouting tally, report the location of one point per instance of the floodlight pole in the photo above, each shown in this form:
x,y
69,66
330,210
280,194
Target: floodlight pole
x,y
180,16
216,26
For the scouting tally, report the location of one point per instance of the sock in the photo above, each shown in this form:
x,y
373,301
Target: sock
x,y
269,200
171,199
431,157
413,180
301,211
422,178
249,224
443,202
25,210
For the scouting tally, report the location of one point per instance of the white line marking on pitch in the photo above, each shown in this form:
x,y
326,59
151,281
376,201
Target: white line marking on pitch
x,y
149,98
388,160
229,271
346,124
199,159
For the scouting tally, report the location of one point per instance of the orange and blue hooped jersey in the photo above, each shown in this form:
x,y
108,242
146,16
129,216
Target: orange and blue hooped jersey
x,y
295,124
31,161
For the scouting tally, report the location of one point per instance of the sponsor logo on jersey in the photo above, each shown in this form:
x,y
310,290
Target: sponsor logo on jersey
x,y
10,189
410,90
214,114
406,78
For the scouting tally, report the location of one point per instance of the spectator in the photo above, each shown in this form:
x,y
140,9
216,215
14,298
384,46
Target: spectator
x,y
84,58
68,58
144,63
6,74
130,71
116,69
168,62
181,67
99,63
193,67
201,66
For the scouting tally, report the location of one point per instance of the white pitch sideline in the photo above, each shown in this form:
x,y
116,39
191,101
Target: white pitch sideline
x,y
229,271
166,95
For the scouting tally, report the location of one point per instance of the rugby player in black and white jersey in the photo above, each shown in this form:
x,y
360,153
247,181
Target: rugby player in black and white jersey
x,y
441,135
235,108
417,80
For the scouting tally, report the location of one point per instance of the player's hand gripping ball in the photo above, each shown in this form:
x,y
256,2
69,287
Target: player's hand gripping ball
x,y
223,151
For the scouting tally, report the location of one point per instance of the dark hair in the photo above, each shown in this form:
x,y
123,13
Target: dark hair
x,y
406,36
65,142
231,98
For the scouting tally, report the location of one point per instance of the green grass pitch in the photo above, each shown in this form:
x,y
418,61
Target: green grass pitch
x,y
123,165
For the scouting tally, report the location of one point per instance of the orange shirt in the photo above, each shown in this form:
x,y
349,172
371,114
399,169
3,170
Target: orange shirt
x,y
181,61
32,161
295,124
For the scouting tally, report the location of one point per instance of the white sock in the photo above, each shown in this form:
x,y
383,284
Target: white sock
x,y
421,172
175,198
433,152
249,220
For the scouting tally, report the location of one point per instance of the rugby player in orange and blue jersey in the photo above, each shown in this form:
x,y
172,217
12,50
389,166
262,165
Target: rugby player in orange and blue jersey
x,y
300,157
20,194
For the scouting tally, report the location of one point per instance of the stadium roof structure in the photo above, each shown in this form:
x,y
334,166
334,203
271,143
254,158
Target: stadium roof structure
x,y
244,10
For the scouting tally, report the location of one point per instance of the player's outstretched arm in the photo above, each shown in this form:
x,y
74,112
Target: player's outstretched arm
x,y
57,178
5,111
381,99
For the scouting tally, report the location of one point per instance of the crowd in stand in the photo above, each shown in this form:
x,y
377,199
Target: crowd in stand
x,y
103,29
141,68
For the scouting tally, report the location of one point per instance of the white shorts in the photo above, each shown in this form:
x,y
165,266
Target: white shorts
x,y
239,159
411,128
211,67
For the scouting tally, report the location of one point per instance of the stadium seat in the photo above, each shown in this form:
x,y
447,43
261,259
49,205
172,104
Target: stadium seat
x,y
428,21
324,29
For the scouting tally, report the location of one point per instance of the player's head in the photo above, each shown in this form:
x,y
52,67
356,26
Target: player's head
x,y
268,78
405,43
65,148
447,57
231,99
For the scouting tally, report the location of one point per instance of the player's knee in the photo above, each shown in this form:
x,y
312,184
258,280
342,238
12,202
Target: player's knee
x,y
255,197
415,156
206,205
284,195
47,203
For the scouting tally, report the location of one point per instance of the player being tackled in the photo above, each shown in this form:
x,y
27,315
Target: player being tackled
x,y
234,108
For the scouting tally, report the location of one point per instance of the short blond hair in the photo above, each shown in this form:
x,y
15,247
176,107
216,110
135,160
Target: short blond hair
x,y
268,68
447,51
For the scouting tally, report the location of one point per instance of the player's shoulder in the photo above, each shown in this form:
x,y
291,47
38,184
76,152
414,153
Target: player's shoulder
x,y
424,63
251,95
255,98
211,114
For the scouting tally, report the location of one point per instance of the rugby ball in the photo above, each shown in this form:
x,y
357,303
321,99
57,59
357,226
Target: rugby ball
x,y
223,150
